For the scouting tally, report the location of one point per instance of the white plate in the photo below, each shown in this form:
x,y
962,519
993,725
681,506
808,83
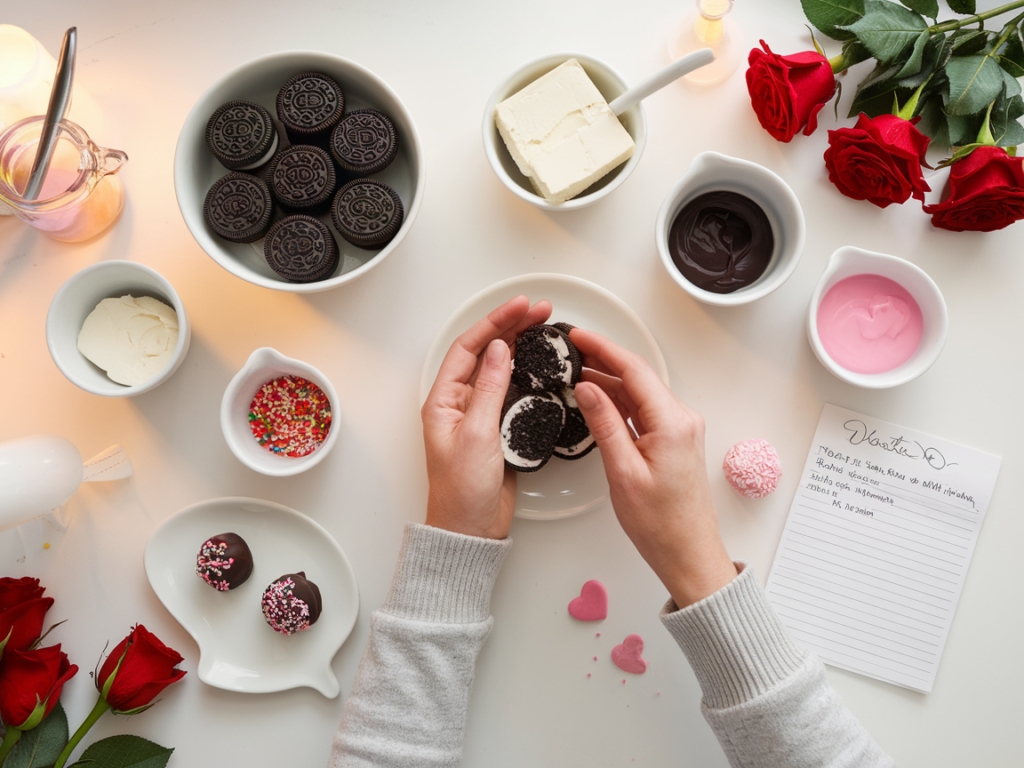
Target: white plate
x,y
238,651
562,488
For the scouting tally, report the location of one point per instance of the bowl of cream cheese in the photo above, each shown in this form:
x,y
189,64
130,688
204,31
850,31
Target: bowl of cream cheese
x,y
117,329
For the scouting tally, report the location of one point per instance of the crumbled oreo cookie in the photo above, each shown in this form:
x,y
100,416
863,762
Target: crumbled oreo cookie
x,y
545,360
574,441
530,424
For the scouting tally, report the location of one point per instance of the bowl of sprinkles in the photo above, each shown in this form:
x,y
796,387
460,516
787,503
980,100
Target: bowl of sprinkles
x,y
277,414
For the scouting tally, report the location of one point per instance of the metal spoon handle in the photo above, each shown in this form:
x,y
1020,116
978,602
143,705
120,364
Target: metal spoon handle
x,y
60,102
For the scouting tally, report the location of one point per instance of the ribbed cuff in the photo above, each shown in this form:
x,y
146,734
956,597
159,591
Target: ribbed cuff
x,y
444,577
734,641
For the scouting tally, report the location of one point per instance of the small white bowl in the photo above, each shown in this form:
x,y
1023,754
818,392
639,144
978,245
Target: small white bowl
x,y
259,80
266,364
713,172
78,297
849,261
609,82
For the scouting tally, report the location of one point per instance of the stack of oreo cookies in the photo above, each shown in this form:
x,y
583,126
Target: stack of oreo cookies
x,y
324,171
540,417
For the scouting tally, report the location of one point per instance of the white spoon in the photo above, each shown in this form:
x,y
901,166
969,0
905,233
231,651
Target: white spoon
x,y
659,80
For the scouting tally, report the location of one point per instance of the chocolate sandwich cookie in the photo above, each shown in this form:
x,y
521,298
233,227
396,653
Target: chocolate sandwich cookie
x,y
241,135
564,327
545,360
239,207
364,142
291,603
224,561
530,424
574,441
302,179
368,213
310,105
301,249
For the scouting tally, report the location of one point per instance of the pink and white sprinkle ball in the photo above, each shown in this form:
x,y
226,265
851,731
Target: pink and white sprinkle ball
x,y
752,467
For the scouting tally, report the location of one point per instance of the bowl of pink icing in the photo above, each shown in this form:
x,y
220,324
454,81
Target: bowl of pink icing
x,y
875,320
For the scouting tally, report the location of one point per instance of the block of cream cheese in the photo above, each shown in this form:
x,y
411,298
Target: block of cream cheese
x,y
130,338
561,132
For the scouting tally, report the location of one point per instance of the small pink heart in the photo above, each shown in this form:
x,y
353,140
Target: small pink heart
x,y
592,604
627,656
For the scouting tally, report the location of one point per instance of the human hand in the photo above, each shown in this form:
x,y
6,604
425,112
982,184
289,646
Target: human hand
x,y
471,492
656,474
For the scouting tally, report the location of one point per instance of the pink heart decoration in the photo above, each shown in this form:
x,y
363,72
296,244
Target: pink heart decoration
x,y
592,604
627,656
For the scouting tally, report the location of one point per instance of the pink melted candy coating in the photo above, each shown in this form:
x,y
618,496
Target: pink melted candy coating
x,y
753,468
869,324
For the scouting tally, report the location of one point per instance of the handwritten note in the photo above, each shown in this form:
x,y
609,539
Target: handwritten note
x,y
877,545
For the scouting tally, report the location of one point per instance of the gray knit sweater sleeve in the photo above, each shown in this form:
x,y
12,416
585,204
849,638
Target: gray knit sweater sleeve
x,y
410,696
767,700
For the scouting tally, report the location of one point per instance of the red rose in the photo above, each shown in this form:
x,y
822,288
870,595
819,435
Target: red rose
x,y
22,610
30,684
879,160
14,591
986,192
788,91
144,666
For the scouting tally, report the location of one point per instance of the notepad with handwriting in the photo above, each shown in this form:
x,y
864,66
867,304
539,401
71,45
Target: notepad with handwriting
x,y
877,545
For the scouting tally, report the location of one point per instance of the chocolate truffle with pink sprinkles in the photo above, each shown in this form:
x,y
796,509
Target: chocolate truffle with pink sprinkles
x,y
752,467
291,603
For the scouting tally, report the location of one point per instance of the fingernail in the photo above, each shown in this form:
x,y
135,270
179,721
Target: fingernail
x,y
495,353
585,396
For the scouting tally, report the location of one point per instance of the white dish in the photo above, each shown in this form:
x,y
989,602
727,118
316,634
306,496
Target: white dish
x,y
259,80
238,651
562,488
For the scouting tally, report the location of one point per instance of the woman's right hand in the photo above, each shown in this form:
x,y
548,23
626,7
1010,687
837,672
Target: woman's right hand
x,y
656,471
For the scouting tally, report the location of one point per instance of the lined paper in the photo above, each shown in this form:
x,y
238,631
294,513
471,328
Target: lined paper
x,y
877,544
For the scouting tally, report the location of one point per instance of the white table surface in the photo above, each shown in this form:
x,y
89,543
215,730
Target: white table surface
x,y
749,370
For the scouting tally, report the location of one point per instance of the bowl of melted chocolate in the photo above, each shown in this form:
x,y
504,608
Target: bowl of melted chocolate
x,y
731,231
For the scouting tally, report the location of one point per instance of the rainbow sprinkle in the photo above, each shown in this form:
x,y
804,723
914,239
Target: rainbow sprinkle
x,y
290,416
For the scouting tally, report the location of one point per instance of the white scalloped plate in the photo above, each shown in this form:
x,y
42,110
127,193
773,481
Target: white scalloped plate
x,y
561,488
238,651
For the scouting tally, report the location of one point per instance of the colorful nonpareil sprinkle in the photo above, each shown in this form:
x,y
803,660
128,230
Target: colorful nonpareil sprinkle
x,y
290,416
284,612
211,564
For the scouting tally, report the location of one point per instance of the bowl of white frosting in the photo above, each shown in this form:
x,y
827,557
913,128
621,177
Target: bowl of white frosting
x,y
117,329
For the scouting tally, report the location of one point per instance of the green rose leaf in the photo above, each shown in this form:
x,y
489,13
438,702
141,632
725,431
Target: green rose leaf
x,y
1005,127
830,16
966,42
124,752
913,65
887,29
41,746
963,7
974,83
963,129
1012,57
929,8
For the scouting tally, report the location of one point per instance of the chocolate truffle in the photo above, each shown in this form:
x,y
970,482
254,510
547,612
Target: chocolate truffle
x,y
364,142
574,441
291,603
241,135
302,179
545,360
239,208
224,561
301,249
530,424
367,213
310,105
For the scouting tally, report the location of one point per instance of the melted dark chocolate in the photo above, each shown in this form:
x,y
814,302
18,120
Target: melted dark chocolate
x,y
721,241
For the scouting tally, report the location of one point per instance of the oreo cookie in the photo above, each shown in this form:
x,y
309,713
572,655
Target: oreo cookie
x,y
530,425
364,142
310,105
301,249
302,179
574,441
239,208
564,327
545,360
241,135
367,213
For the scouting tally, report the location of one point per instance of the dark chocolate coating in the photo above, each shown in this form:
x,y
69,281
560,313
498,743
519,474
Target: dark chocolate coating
x,y
303,179
364,142
239,207
310,105
224,561
367,213
574,432
241,133
301,249
291,608
721,241
532,432
538,366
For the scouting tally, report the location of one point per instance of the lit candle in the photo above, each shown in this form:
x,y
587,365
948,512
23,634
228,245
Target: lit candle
x,y
710,26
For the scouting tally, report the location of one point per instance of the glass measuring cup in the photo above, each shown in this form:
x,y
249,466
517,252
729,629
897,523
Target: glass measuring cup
x,y
80,197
